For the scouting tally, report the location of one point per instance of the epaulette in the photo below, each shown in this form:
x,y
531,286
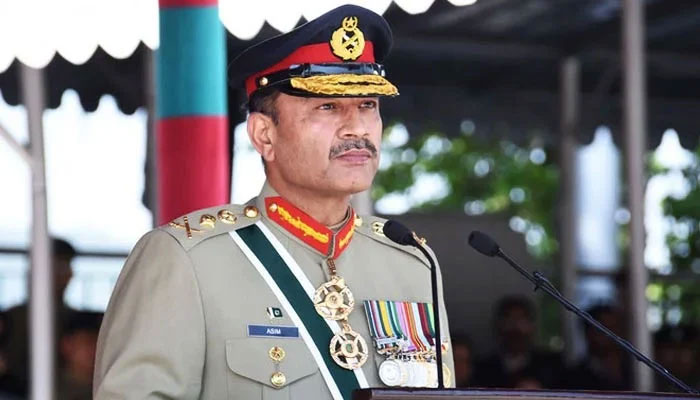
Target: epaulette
x,y
373,228
197,226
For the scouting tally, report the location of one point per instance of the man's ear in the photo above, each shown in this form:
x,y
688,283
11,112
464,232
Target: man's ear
x,y
261,131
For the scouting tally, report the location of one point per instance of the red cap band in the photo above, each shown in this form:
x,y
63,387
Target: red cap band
x,y
310,54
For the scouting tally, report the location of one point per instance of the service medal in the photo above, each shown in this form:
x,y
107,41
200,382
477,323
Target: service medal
x,y
393,372
446,375
412,374
432,375
334,300
348,348
421,374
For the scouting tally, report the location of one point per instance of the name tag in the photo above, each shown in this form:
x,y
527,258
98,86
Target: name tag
x,y
273,331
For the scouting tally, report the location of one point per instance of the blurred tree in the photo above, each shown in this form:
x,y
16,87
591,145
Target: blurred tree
x,y
679,299
474,176
470,174
684,239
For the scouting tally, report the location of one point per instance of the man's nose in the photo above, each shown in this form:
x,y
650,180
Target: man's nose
x,y
353,126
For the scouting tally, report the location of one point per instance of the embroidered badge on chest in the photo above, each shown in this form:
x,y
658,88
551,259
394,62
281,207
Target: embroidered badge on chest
x,y
274,312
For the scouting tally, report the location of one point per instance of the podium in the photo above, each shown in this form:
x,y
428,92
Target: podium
x,y
503,394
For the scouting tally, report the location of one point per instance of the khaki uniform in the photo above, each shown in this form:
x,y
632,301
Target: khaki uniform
x,y
176,325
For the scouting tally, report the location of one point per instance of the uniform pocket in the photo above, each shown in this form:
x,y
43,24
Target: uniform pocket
x,y
251,370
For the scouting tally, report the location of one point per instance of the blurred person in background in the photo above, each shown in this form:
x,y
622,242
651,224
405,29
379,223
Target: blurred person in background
x,y
16,348
515,327
606,366
676,348
526,380
76,350
8,385
463,357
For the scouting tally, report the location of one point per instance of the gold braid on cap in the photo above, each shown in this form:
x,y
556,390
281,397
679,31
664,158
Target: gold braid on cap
x,y
346,85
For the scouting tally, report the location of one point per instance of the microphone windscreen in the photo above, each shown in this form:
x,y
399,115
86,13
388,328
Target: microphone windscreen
x,y
398,233
483,243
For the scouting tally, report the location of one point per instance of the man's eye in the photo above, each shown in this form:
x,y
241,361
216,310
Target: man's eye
x,y
327,106
369,104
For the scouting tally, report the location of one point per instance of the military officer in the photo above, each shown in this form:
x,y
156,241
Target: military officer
x,y
292,295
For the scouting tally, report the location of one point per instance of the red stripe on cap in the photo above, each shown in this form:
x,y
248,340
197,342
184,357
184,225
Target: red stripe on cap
x,y
310,54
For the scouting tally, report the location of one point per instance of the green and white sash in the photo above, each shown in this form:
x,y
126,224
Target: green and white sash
x,y
295,293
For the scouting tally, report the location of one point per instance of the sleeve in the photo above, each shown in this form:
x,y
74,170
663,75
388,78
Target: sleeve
x,y
152,341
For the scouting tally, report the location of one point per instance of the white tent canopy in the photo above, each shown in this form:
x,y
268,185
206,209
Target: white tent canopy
x,y
33,31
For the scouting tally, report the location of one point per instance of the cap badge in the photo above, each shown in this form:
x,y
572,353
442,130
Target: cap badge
x,y
348,42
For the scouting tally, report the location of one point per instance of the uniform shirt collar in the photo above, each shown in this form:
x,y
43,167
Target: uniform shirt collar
x,y
330,242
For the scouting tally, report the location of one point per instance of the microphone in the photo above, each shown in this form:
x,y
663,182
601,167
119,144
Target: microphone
x,y
398,233
485,245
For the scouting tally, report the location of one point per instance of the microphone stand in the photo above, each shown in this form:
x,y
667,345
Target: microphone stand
x,y
541,282
436,311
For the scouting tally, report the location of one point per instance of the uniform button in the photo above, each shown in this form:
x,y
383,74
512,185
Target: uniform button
x,y
273,207
277,354
278,379
251,211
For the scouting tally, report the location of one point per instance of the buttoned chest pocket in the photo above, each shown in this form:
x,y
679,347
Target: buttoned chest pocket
x,y
254,373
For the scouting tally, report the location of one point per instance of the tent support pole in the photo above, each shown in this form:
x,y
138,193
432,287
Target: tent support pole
x,y
41,289
149,80
634,117
569,125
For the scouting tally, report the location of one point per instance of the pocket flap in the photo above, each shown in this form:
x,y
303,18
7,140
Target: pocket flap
x,y
249,357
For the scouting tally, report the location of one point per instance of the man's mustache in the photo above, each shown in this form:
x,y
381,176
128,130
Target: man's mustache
x,y
352,144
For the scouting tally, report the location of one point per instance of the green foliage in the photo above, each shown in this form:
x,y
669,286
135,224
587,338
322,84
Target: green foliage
x,y
684,239
481,177
677,300
491,176
684,244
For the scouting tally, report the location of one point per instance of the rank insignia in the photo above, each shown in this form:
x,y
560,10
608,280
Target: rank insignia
x,y
305,228
186,226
